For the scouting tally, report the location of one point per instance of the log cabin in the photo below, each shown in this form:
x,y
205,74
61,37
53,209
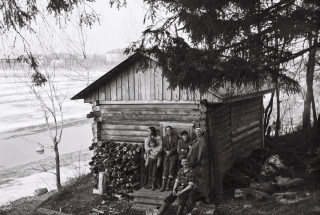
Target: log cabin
x,y
127,100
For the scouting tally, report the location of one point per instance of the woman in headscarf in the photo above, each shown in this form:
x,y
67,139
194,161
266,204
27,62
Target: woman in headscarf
x,y
199,159
152,133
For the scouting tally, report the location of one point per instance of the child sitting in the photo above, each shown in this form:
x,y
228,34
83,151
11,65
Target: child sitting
x,y
152,158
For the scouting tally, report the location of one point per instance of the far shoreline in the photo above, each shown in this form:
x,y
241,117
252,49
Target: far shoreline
x,y
34,129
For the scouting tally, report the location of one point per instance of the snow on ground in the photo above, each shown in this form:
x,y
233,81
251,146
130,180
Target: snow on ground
x,y
14,189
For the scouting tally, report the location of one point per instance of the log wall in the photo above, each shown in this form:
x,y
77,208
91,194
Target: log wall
x,y
129,123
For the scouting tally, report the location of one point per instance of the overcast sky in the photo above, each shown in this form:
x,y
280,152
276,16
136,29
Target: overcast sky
x,y
118,27
116,30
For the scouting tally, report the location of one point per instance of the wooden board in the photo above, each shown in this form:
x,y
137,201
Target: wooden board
x,y
119,87
131,83
158,84
102,93
113,89
166,91
125,86
107,91
176,94
137,84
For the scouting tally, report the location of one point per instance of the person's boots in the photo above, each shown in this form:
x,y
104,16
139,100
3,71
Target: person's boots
x,y
163,208
148,186
180,210
168,184
164,183
153,187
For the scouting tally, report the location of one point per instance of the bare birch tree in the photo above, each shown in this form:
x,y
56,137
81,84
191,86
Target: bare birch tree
x,y
48,100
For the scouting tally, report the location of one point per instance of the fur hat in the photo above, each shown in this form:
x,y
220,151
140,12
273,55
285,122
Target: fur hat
x,y
200,129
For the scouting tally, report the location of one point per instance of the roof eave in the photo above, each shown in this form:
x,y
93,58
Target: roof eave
x,y
246,96
97,83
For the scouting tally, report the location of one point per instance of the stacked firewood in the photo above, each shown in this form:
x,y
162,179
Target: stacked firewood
x,y
121,163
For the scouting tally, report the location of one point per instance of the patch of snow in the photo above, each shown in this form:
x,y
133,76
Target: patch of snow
x,y
25,186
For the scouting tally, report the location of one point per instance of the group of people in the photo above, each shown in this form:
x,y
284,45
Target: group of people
x,y
170,152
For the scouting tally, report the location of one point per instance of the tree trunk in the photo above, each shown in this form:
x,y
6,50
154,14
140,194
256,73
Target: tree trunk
x,y
57,158
267,113
309,80
315,130
278,111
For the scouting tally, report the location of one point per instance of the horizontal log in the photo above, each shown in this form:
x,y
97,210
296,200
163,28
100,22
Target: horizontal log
x,y
124,132
164,117
126,139
130,122
248,133
124,127
245,127
177,124
150,106
137,110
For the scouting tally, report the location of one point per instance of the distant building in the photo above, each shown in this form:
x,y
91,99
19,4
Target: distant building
x,y
57,63
115,55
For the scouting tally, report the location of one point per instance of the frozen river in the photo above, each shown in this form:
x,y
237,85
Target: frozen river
x,y
22,130
22,125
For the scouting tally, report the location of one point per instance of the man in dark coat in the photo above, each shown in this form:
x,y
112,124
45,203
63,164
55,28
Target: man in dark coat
x,y
199,160
169,148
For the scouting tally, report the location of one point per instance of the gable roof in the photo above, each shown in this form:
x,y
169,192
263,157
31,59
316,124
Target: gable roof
x,y
227,93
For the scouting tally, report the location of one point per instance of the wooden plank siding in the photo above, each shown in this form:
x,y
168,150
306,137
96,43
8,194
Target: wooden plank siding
x,y
237,128
221,120
129,123
246,126
133,84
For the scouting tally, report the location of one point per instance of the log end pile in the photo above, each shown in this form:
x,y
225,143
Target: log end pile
x,y
120,163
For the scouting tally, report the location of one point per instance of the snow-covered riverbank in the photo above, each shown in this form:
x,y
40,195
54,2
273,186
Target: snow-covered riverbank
x,y
21,181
